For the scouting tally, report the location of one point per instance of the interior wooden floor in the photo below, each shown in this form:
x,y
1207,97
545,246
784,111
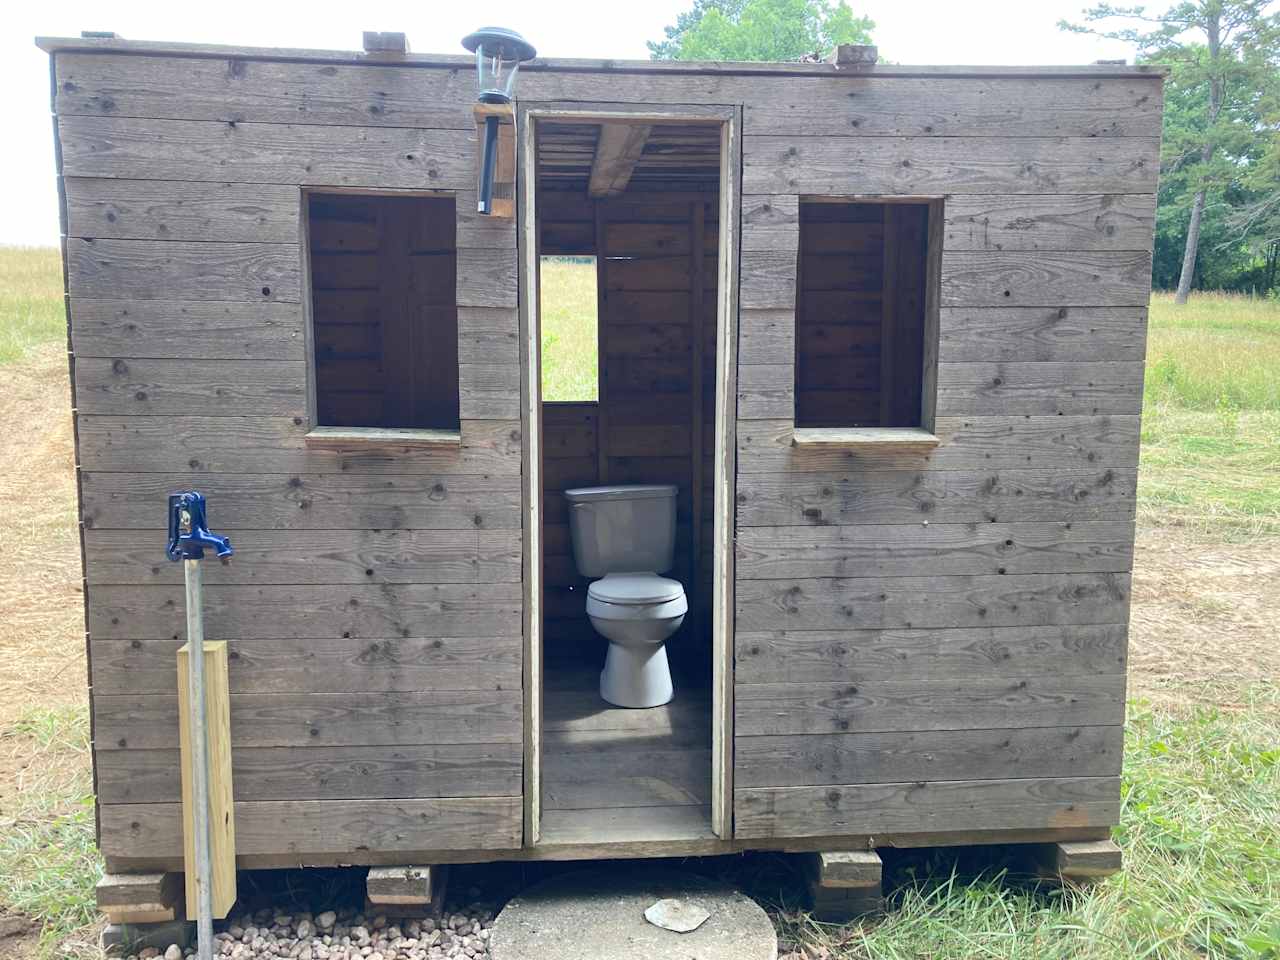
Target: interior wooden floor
x,y
610,774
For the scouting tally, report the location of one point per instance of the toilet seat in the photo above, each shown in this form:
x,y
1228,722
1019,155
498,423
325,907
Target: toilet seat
x,y
630,588
636,596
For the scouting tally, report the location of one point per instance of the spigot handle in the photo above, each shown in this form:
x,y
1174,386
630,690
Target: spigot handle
x,y
189,531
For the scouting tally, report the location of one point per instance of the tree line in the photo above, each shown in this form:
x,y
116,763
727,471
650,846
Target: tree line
x,y
1218,207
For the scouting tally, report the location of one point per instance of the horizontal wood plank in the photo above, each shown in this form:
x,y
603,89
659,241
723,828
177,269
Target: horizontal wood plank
x,y
991,334
182,329
973,703
766,336
150,722
181,210
949,805
199,386
967,443
1010,387
296,827
306,501
316,556
938,549
927,756
853,106
924,166
263,612
1014,278
183,270
939,496
943,653
292,154
319,665
955,601
276,445
489,391
766,391
1053,222
394,95
488,335
328,773
263,91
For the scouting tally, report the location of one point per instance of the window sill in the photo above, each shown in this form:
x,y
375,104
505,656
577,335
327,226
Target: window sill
x,y
895,438
362,438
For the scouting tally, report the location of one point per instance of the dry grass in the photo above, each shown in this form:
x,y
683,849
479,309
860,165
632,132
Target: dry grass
x,y
42,630
31,310
48,863
1217,350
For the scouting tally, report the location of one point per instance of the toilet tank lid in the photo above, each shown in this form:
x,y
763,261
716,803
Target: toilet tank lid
x,y
624,588
633,491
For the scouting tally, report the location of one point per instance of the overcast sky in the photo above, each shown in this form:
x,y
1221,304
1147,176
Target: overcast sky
x,y
907,32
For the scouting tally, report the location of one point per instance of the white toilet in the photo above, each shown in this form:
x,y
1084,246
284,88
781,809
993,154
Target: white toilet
x,y
626,535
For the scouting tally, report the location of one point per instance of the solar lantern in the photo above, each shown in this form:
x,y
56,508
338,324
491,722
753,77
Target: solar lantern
x,y
499,53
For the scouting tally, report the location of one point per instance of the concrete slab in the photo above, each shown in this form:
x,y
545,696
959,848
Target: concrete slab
x,y
599,912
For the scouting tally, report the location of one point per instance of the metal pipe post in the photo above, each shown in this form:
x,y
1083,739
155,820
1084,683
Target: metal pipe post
x,y
485,206
199,739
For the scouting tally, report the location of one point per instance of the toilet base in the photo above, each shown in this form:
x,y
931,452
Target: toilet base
x,y
636,677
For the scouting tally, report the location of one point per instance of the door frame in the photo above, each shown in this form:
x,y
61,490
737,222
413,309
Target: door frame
x,y
528,114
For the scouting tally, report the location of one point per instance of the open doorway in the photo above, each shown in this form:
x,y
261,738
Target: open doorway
x,y
627,208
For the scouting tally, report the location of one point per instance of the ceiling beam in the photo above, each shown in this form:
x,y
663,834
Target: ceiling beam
x,y
617,151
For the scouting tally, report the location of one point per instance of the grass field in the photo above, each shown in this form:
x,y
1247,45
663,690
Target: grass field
x,y
1202,769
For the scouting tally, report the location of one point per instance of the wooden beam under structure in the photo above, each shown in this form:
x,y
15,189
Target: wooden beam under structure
x,y
617,151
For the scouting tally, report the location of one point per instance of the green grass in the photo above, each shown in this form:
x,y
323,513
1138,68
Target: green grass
x,y
1199,830
568,304
1218,350
31,305
48,859
1211,416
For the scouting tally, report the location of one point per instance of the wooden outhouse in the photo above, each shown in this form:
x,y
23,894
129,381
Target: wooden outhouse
x,y
883,326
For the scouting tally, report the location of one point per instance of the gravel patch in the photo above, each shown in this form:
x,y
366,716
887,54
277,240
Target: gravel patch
x,y
344,935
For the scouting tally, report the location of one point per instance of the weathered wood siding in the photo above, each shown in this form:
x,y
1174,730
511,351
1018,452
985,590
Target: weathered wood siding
x,y
373,608
937,641
967,674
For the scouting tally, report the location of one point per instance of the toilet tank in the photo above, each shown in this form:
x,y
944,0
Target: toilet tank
x,y
619,529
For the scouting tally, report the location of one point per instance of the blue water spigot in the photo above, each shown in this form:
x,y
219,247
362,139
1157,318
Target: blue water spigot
x,y
189,531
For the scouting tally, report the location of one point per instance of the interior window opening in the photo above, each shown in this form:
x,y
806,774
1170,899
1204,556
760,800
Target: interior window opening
x,y
569,302
861,297
384,310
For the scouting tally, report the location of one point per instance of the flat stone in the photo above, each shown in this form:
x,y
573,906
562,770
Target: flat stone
x,y
676,915
600,912
125,938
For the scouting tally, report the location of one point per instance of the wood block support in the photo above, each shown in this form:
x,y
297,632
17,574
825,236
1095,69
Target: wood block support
x,y
408,891
381,42
854,55
1080,862
133,898
843,886
222,825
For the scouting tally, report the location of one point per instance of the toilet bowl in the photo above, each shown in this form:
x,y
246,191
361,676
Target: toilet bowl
x,y
636,613
625,535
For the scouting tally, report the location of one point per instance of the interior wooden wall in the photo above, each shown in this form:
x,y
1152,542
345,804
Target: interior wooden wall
x,y
384,310
648,249
860,314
